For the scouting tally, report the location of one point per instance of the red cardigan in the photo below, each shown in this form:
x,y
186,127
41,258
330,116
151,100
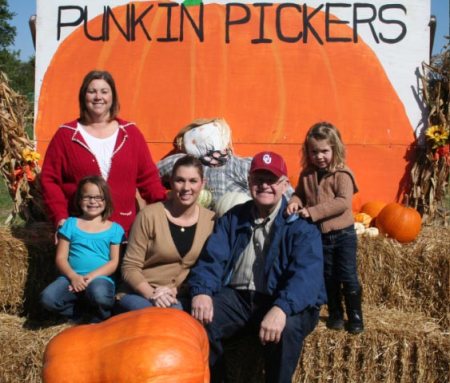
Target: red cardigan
x,y
68,159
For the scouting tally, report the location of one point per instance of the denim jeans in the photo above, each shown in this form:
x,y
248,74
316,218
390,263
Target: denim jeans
x,y
99,294
339,253
235,310
130,302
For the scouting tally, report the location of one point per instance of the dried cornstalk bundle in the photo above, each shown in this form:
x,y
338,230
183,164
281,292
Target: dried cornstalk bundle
x,y
431,169
412,277
18,160
22,349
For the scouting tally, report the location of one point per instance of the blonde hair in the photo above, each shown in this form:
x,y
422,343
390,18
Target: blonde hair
x,y
325,131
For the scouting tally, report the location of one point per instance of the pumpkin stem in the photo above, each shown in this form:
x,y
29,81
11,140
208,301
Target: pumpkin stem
x,y
406,200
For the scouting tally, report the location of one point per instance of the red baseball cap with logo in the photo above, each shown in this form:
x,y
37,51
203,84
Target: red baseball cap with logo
x,y
269,161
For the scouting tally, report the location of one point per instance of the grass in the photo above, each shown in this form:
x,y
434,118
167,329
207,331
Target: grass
x,y
5,203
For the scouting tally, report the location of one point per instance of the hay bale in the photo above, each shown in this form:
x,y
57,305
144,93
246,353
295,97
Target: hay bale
x,y
22,349
395,347
27,257
410,277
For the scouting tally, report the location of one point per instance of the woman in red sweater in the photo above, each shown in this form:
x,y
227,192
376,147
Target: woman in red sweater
x,y
99,143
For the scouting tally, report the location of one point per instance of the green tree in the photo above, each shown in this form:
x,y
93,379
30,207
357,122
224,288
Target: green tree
x,y
7,31
20,74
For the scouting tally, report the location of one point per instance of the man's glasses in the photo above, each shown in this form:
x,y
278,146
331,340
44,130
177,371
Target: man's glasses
x,y
268,180
96,198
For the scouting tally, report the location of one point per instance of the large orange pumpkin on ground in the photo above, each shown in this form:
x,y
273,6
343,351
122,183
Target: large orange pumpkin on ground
x,y
149,345
399,222
269,93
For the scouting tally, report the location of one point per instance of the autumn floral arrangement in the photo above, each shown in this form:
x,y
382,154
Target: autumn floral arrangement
x,y
430,172
18,159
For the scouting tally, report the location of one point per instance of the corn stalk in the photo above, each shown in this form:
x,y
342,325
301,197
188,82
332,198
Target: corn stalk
x,y
431,169
18,159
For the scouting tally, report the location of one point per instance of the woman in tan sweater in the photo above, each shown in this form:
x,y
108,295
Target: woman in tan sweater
x,y
165,241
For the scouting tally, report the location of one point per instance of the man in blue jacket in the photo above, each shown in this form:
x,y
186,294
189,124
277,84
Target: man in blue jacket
x,y
261,270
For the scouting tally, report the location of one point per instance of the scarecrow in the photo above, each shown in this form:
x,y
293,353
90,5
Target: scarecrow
x,y
209,140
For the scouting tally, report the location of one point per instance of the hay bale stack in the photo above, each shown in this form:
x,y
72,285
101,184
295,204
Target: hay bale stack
x,y
22,349
395,347
411,277
406,295
27,257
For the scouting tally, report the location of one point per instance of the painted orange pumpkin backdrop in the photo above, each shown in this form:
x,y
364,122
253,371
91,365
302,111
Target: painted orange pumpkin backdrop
x,y
270,94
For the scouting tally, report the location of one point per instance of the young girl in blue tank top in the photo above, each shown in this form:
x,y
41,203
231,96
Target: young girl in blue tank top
x,y
324,195
87,256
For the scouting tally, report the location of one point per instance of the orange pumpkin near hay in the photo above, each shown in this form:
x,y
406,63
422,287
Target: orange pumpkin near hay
x,y
399,222
153,344
373,208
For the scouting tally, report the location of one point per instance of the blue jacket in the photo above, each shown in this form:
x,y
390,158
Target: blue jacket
x,y
294,263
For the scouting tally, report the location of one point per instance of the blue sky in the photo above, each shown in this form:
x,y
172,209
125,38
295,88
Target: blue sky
x,y
25,8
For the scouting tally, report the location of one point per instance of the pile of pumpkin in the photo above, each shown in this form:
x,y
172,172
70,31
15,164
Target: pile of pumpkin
x,y
392,220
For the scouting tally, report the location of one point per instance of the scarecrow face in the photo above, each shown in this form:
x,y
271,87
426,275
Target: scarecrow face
x,y
202,139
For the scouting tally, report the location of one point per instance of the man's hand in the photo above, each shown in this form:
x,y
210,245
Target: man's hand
x,y
202,308
272,325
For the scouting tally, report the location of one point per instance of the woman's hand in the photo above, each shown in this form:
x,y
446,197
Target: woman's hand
x,y
164,296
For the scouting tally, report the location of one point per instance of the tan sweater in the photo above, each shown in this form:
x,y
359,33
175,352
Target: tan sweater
x,y
329,202
151,253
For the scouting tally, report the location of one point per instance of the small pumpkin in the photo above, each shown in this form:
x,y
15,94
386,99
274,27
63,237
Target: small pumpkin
x,y
205,198
359,228
371,232
149,345
363,218
373,208
229,200
399,222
